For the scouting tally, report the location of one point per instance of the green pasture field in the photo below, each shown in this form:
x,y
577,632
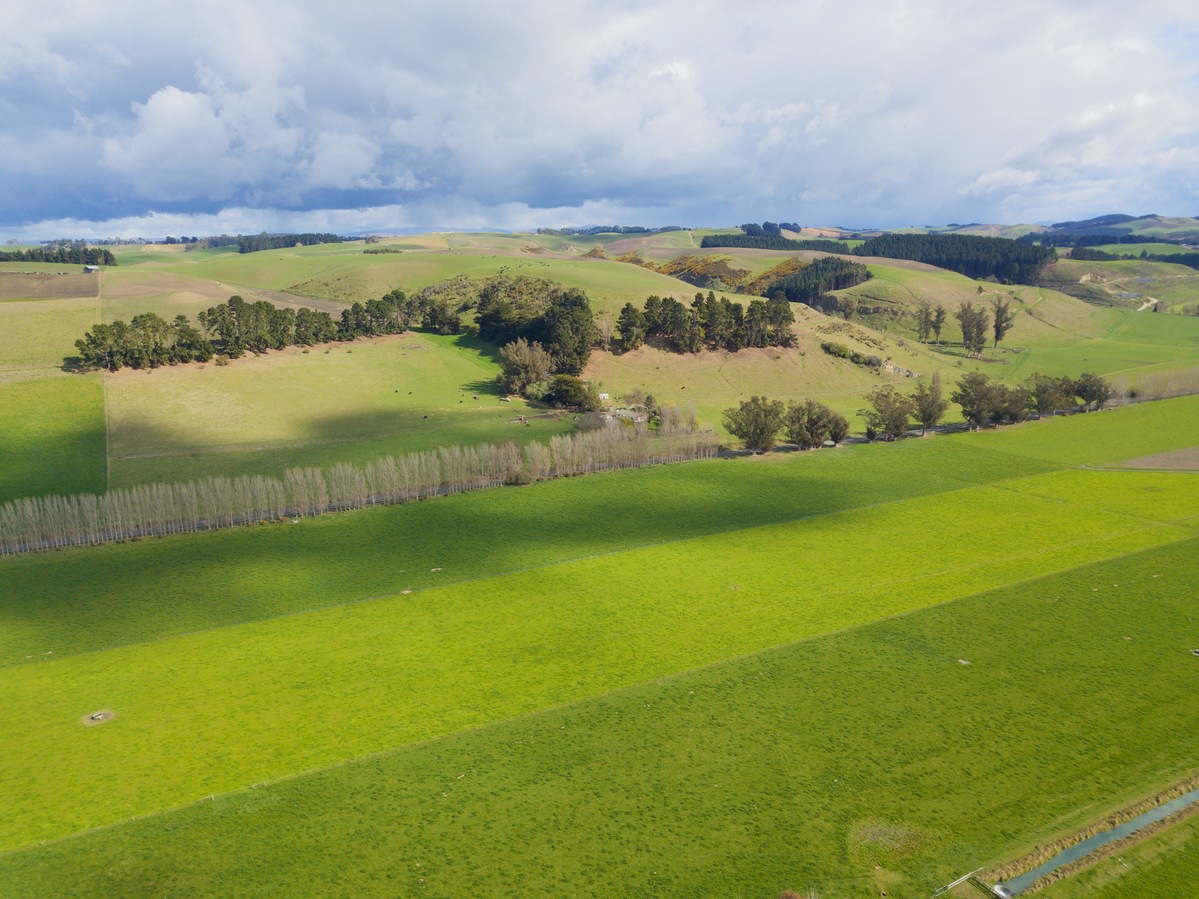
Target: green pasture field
x,y
714,381
342,272
51,436
1162,224
1135,249
1164,864
166,587
895,756
562,594
344,402
264,415
36,335
1130,345
171,586
214,711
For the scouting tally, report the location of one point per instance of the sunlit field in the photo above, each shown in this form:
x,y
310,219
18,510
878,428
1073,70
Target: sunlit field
x,y
576,685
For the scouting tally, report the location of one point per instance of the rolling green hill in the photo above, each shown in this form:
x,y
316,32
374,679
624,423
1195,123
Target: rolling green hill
x,y
353,402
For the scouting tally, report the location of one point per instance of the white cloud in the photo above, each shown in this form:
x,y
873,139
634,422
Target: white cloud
x,y
889,113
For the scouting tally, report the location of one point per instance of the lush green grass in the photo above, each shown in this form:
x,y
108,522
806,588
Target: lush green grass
x,y
1129,249
211,711
1113,435
36,335
864,759
65,602
345,402
87,599
1165,864
343,272
51,436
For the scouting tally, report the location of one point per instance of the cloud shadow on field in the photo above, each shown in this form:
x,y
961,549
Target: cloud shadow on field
x,y
144,451
66,461
153,588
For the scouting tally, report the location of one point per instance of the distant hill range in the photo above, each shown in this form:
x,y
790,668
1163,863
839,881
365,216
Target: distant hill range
x,y
1109,229
1104,229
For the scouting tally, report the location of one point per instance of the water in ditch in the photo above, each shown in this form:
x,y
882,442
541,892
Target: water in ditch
x,y
1017,885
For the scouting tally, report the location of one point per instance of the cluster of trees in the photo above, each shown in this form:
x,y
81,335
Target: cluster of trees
x,y
1005,260
977,323
1086,238
812,282
709,322
889,414
772,229
841,351
1191,260
769,236
393,313
62,253
40,523
929,322
265,241
1087,254
985,401
236,327
556,319
889,411
807,424
148,341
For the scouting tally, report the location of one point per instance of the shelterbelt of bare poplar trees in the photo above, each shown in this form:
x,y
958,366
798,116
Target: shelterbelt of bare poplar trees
x,y
34,524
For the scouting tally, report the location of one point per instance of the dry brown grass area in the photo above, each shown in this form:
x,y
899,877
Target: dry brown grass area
x,y
1178,460
42,286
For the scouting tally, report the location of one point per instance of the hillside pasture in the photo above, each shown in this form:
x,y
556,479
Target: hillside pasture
x,y
343,273
1127,283
1130,346
311,406
1135,249
714,381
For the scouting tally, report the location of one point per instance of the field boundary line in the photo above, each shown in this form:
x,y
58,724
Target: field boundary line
x,y
1181,521
661,680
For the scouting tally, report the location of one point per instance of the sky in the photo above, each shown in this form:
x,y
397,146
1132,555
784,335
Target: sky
x,y
125,119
